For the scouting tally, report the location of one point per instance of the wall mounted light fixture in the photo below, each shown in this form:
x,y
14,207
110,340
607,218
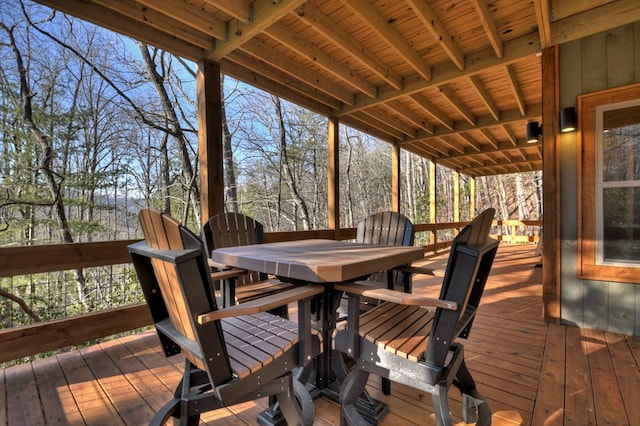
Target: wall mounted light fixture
x,y
533,131
567,119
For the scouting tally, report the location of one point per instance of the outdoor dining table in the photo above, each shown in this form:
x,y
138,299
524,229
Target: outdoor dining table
x,y
319,261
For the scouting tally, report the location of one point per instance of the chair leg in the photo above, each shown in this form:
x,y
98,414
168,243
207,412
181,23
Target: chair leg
x,y
475,408
351,390
386,386
441,406
296,404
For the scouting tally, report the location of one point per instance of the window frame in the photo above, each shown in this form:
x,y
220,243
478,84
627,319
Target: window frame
x,y
589,106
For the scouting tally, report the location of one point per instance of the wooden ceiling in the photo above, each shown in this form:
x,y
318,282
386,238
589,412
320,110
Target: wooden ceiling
x,y
454,81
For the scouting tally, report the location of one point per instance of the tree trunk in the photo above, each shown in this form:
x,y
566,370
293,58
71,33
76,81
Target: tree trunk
x,y
286,169
176,129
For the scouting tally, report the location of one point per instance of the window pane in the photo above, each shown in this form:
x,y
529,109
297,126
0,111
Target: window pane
x,y
621,144
621,239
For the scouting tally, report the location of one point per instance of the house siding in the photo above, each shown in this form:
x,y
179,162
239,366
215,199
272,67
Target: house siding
x,y
602,61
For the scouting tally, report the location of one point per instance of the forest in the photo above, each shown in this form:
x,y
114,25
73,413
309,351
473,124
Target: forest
x,y
94,126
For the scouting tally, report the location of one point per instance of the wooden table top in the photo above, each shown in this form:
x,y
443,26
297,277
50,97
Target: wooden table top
x,y
317,260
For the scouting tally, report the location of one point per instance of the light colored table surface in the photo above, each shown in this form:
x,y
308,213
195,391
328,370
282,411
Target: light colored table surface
x,y
317,260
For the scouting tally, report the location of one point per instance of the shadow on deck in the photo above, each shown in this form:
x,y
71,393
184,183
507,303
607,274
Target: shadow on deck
x,y
531,372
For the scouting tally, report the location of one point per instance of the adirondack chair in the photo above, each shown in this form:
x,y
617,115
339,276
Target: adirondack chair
x,y
403,341
394,229
231,230
233,355
387,228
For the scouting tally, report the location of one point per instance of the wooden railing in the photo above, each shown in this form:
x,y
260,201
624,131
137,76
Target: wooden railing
x,y
47,336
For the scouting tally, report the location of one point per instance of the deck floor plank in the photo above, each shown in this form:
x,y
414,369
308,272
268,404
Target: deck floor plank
x,y
23,405
56,398
531,372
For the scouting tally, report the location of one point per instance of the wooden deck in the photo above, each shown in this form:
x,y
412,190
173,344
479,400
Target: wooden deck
x,y
531,372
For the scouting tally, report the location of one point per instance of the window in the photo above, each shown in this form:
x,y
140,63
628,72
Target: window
x,y
609,232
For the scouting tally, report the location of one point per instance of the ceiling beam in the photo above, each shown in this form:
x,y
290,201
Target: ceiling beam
x,y
457,104
239,9
393,38
325,26
320,58
603,18
288,67
241,73
432,22
265,14
259,67
488,102
416,119
507,117
515,88
432,110
544,22
483,61
189,16
482,9
128,26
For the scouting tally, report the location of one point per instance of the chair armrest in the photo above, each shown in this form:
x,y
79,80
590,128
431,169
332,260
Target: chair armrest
x,y
263,304
414,269
227,273
394,296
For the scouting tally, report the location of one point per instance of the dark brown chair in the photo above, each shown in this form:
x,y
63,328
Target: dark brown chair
x,y
392,229
232,230
406,343
233,355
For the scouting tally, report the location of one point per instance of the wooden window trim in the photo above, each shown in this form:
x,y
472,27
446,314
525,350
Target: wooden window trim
x,y
587,267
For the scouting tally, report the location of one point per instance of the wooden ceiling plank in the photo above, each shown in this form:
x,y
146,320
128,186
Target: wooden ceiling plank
x,y
433,110
265,14
259,51
323,60
457,104
257,66
189,16
489,26
323,24
484,96
432,22
544,21
239,9
394,39
485,61
515,88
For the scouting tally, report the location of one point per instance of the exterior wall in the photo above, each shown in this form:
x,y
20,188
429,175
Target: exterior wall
x,y
595,63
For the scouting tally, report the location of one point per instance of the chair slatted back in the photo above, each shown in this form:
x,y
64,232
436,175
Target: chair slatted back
x,y
472,254
232,230
385,228
182,280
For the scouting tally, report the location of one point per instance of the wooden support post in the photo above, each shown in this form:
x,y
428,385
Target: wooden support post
x,y
210,139
456,198
472,197
395,177
551,190
433,217
333,174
